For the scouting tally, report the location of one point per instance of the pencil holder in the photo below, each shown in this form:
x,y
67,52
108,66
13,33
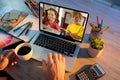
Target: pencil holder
x,y
97,31
95,34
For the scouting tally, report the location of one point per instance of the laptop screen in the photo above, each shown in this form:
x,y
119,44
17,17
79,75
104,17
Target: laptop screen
x,y
63,22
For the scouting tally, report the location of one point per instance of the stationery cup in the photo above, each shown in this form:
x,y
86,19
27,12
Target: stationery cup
x,y
95,34
24,51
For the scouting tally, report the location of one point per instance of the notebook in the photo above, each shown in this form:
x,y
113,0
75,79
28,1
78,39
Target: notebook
x,y
52,37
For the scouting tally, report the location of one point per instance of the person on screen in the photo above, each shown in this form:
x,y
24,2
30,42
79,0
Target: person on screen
x,y
51,19
53,70
75,30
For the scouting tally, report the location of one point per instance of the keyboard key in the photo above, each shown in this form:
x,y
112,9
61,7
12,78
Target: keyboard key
x,y
55,44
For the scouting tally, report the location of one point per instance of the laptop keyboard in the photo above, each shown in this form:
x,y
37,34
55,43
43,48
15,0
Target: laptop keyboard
x,y
55,44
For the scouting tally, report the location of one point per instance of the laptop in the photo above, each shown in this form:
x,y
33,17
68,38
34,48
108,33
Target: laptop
x,y
52,40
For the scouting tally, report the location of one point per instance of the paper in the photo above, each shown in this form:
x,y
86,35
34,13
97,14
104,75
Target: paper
x,y
21,32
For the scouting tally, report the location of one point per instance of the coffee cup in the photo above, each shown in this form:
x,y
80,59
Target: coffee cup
x,y
24,51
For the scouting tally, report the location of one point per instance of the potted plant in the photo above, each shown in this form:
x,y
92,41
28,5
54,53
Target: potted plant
x,y
96,47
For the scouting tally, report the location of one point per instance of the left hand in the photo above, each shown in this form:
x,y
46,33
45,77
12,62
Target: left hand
x,y
8,56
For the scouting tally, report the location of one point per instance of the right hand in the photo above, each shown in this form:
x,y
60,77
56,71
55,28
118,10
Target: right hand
x,y
55,68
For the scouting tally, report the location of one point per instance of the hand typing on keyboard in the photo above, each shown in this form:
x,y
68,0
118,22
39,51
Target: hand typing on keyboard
x,y
55,68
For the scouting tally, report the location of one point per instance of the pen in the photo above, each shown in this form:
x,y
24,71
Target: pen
x,y
21,26
101,24
97,21
28,27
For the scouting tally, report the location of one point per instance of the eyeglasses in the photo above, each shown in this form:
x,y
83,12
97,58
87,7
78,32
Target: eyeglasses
x,y
9,18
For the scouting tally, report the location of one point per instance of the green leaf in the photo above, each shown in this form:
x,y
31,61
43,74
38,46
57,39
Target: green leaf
x,y
96,43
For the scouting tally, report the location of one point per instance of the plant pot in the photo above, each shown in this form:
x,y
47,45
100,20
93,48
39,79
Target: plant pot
x,y
94,52
95,34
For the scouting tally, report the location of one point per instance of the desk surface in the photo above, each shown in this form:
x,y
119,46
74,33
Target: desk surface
x,y
109,59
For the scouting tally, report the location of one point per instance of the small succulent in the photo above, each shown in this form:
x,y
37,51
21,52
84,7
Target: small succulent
x,y
96,43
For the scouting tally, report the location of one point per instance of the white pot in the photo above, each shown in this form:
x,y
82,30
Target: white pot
x,y
94,52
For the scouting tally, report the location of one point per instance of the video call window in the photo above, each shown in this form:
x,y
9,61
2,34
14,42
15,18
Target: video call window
x,y
68,23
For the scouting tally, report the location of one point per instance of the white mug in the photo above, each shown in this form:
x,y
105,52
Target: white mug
x,y
24,51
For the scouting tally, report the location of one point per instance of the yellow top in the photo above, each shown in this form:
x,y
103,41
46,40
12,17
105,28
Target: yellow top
x,y
75,29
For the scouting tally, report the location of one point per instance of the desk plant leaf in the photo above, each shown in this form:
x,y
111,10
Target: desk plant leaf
x,y
97,43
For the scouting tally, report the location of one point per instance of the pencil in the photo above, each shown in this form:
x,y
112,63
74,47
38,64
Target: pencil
x,y
105,28
92,25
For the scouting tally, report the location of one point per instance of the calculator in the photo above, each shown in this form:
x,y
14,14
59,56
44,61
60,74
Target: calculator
x,y
92,73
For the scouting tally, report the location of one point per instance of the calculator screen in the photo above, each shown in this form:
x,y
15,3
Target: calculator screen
x,y
97,70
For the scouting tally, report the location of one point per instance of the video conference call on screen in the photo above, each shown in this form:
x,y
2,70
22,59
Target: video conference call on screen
x,y
63,22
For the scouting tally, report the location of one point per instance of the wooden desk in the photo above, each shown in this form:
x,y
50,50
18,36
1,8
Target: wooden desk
x,y
109,59
26,70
